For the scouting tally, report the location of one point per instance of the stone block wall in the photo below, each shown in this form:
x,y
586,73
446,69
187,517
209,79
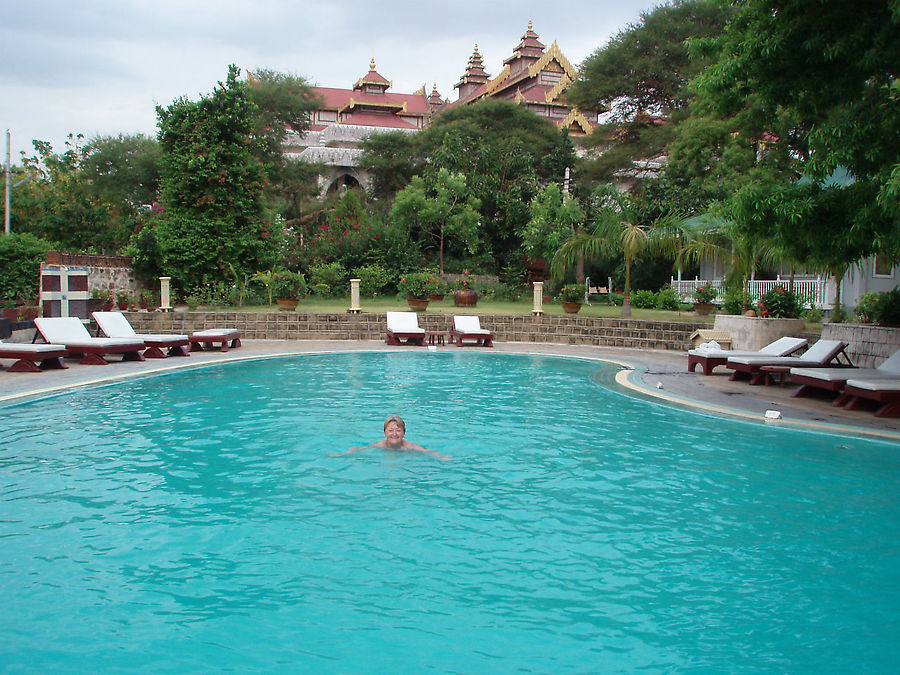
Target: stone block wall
x,y
552,329
105,272
869,345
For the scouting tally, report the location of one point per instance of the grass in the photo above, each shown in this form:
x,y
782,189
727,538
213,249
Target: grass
x,y
315,305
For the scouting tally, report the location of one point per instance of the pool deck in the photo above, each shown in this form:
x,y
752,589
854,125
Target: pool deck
x,y
658,374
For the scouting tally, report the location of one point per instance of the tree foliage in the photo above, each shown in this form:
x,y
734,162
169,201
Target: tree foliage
x,y
810,87
21,256
440,208
124,171
212,183
554,218
641,77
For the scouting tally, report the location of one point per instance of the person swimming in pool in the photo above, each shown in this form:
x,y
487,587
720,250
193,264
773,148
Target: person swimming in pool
x,y
394,432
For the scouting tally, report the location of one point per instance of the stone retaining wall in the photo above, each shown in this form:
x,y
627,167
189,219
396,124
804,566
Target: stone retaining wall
x,y
869,345
554,329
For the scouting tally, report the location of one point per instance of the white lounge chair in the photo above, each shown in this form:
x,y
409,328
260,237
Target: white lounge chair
x,y
710,358
469,328
69,331
404,326
884,391
211,336
834,379
820,355
28,356
116,325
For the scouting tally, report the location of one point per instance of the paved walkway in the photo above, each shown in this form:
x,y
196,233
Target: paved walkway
x,y
659,374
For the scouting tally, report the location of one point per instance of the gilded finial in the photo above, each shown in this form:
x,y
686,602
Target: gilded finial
x,y
529,24
372,64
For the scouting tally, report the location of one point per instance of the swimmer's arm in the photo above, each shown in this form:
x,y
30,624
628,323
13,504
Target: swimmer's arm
x,y
419,448
379,444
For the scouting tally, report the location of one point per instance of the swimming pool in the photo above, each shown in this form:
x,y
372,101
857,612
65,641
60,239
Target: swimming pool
x,y
196,521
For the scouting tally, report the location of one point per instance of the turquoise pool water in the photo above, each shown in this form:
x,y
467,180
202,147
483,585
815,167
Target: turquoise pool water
x,y
196,521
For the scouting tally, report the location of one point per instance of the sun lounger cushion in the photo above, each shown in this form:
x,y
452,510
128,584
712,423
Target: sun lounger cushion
x,y
821,354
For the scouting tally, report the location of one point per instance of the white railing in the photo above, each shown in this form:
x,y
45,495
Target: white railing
x,y
811,292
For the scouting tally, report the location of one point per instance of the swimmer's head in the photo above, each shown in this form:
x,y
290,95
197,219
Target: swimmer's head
x,y
397,420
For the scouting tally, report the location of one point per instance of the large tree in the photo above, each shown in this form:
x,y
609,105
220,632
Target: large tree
x,y
641,79
213,223
506,154
124,171
813,86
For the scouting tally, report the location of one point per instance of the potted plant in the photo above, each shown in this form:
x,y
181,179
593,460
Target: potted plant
x,y
417,288
288,287
779,304
703,299
440,290
465,294
123,298
571,297
147,299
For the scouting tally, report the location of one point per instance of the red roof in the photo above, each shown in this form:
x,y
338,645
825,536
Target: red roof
x,y
335,99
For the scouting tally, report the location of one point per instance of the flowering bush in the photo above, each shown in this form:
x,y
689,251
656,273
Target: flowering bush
x,y
571,293
288,285
465,283
705,295
418,285
779,304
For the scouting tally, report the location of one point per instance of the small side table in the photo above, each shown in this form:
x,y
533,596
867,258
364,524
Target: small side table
x,y
780,373
435,337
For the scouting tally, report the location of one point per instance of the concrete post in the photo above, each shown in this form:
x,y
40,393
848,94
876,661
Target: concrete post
x,y
354,297
538,299
164,305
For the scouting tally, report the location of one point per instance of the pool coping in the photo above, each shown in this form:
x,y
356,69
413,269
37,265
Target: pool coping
x,y
653,374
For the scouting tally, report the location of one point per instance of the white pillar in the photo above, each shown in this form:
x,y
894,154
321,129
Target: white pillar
x,y
538,299
354,297
63,290
164,305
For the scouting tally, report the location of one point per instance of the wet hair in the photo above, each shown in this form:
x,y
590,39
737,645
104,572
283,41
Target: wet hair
x,y
398,420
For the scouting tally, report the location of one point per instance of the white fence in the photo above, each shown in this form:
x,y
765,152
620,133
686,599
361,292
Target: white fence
x,y
811,292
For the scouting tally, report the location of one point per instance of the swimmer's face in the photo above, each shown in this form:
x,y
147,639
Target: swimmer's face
x,y
393,433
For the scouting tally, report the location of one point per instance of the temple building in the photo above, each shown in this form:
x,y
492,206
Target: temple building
x,y
532,76
347,116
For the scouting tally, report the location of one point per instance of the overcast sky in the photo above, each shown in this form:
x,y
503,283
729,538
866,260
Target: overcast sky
x,y
99,67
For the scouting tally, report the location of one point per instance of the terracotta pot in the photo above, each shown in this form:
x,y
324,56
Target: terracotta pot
x,y
703,308
437,297
417,304
465,297
122,306
12,314
571,307
287,304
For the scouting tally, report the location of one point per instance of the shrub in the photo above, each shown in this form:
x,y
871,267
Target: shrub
x,y
571,293
616,299
643,299
813,314
20,267
890,310
705,295
373,279
868,309
779,304
735,300
332,274
289,285
667,299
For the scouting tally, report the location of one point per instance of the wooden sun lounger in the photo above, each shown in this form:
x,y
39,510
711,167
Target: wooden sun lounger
x,y
886,392
404,326
69,331
812,380
823,354
116,325
708,359
28,356
469,328
214,336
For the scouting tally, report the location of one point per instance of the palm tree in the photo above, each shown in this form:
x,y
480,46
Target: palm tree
x,y
616,229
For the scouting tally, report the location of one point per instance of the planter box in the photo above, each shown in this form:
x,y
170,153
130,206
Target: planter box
x,y
753,332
